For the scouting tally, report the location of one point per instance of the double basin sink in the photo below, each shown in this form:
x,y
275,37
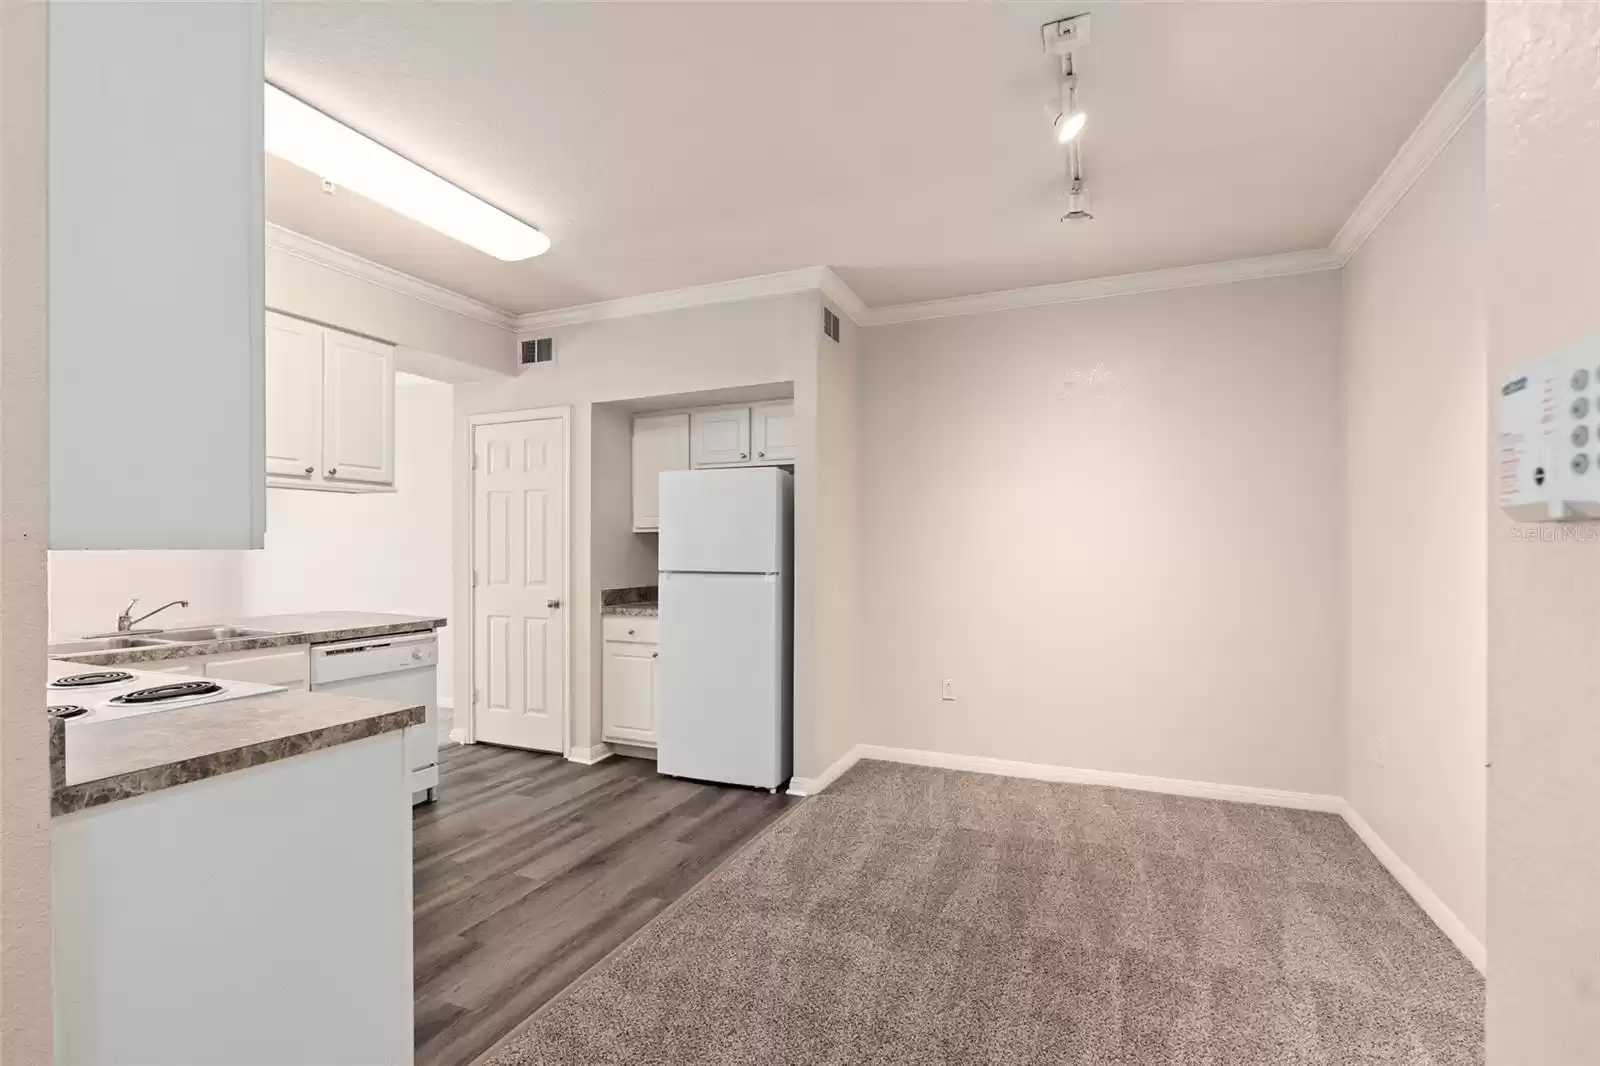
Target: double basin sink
x,y
159,638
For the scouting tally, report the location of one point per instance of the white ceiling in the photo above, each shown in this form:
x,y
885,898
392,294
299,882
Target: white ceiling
x,y
664,145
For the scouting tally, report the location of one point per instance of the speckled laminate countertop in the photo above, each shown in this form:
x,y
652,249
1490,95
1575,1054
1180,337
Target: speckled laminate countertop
x,y
638,601
315,627
635,610
94,763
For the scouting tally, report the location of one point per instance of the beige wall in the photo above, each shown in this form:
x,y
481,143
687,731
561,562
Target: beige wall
x,y
827,669
1115,524
1415,432
753,342
1544,658
25,1018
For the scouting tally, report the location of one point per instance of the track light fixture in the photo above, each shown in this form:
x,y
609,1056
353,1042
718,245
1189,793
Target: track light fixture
x,y
1063,39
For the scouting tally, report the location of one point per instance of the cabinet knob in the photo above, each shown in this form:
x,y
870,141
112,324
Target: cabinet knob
x,y
332,470
553,604
309,469
655,655
630,632
761,455
742,455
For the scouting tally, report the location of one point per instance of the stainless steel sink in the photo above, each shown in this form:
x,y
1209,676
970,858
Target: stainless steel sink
x,y
209,633
78,647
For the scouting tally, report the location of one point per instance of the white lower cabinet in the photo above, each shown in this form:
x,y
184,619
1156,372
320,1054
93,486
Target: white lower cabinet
x,y
631,680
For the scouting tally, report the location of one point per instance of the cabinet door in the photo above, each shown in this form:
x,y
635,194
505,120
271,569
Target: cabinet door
x,y
772,432
720,437
358,409
294,397
628,692
660,442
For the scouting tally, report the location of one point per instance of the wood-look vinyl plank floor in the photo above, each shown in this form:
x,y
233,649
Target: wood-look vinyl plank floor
x,y
531,869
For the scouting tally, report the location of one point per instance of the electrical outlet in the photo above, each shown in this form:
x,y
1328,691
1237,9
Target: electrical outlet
x,y
947,691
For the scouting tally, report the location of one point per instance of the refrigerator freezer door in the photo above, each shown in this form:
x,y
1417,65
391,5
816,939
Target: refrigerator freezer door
x,y
724,690
723,521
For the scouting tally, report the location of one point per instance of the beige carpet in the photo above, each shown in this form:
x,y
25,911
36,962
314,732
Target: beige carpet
x,y
915,916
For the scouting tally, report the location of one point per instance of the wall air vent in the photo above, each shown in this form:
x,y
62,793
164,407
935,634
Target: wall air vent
x,y
830,324
542,350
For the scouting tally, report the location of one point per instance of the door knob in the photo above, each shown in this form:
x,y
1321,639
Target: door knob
x,y
552,604
309,469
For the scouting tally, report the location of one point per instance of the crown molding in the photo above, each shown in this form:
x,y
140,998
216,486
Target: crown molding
x,y
834,288
1460,99
808,279
326,255
1186,277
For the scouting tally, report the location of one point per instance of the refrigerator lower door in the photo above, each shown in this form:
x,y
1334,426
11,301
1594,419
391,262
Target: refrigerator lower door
x,y
724,683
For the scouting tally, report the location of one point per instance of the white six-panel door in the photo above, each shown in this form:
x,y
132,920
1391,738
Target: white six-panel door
x,y
519,523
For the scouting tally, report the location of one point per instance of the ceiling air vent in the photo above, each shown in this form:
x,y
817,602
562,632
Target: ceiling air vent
x,y
830,323
542,350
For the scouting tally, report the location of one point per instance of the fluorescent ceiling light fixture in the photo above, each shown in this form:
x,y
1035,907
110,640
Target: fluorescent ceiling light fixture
x,y
304,136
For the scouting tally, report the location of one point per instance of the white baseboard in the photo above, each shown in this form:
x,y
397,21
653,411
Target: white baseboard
x,y
1432,905
810,786
458,735
590,756
1270,797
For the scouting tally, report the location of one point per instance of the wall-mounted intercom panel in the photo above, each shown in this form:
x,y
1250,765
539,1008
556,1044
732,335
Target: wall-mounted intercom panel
x,y
1548,457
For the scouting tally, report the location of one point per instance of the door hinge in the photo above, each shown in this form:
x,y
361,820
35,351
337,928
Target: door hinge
x,y
474,579
474,697
474,460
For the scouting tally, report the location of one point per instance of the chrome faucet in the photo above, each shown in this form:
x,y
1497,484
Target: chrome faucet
x,y
126,621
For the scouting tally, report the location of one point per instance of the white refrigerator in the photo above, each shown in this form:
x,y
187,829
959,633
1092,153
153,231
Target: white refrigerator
x,y
726,657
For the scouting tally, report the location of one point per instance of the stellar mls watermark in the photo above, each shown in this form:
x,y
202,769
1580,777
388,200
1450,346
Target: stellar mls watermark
x,y
1555,532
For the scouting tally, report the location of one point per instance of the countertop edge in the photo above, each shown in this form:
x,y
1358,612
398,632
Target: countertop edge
x,y
67,799
136,656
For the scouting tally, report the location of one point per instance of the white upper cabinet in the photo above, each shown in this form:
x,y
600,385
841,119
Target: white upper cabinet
x,y
720,436
157,433
772,432
358,409
330,408
660,443
294,397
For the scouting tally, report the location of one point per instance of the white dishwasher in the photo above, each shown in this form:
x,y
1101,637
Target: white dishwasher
x,y
400,669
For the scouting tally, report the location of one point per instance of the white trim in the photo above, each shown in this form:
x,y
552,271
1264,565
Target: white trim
x,y
464,650
1271,797
1187,277
459,735
326,255
721,292
810,786
591,755
1432,905
843,296
1460,99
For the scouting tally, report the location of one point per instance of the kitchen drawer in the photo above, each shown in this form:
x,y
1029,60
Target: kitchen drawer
x,y
288,667
632,628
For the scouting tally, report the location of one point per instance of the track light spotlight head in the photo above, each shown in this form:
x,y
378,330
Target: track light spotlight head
x,y
1069,124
